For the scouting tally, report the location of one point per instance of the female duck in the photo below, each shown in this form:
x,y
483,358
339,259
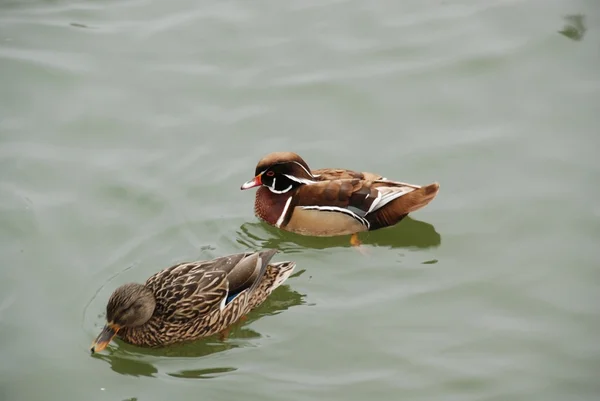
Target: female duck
x,y
191,300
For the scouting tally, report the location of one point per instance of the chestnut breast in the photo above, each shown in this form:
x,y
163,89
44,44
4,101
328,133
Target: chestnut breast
x,y
269,206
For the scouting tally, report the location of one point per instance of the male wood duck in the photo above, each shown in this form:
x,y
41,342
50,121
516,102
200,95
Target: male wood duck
x,y
330,202
188,301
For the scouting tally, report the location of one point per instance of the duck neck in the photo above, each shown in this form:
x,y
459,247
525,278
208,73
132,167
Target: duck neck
x,y
273,208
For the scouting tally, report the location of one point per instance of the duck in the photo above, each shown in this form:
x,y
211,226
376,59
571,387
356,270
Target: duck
x,y
191,300
330,201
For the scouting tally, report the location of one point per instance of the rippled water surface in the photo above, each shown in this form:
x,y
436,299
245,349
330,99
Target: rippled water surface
x,y
128,126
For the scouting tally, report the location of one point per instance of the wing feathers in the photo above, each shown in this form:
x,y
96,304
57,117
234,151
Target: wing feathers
x,y
355,197
190,290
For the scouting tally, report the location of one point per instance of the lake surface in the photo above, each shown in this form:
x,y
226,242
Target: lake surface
x,y
127,128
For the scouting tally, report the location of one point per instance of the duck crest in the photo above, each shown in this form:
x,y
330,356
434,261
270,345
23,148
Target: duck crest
x,y
281,158
271,207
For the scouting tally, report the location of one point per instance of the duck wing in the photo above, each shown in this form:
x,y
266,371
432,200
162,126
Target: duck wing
x,y
189,290
356,198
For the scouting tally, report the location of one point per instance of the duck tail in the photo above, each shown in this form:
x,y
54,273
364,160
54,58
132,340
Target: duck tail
x,y
400,207
265,258
274,276
418,199
283,270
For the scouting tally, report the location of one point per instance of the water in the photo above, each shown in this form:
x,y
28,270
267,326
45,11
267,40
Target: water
x,y
128,126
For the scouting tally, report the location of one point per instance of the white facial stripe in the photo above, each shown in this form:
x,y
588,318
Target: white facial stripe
x,y
272,188
291,177
280,192
339,210
285,209
299,180
303,168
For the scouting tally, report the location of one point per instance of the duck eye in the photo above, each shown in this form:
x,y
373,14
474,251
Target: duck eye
x,y
270,173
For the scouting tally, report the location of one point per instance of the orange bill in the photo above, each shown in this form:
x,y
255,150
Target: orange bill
x,y
255,182
106,335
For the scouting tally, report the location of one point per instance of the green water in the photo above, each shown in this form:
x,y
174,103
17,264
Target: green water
x,y
127,128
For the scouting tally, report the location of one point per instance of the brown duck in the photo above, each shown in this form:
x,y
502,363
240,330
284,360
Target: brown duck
x,y
330,202
189,301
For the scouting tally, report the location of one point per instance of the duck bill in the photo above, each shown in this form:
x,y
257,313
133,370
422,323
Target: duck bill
x,y
255,182
105,337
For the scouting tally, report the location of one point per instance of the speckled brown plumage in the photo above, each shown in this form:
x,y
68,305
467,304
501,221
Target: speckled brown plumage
x,y
327,202
191,299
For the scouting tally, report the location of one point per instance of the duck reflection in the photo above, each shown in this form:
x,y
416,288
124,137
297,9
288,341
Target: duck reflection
x,y
407,234
130,360
574,27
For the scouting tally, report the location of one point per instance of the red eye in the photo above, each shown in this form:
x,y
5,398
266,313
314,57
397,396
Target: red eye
x,y
270,173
